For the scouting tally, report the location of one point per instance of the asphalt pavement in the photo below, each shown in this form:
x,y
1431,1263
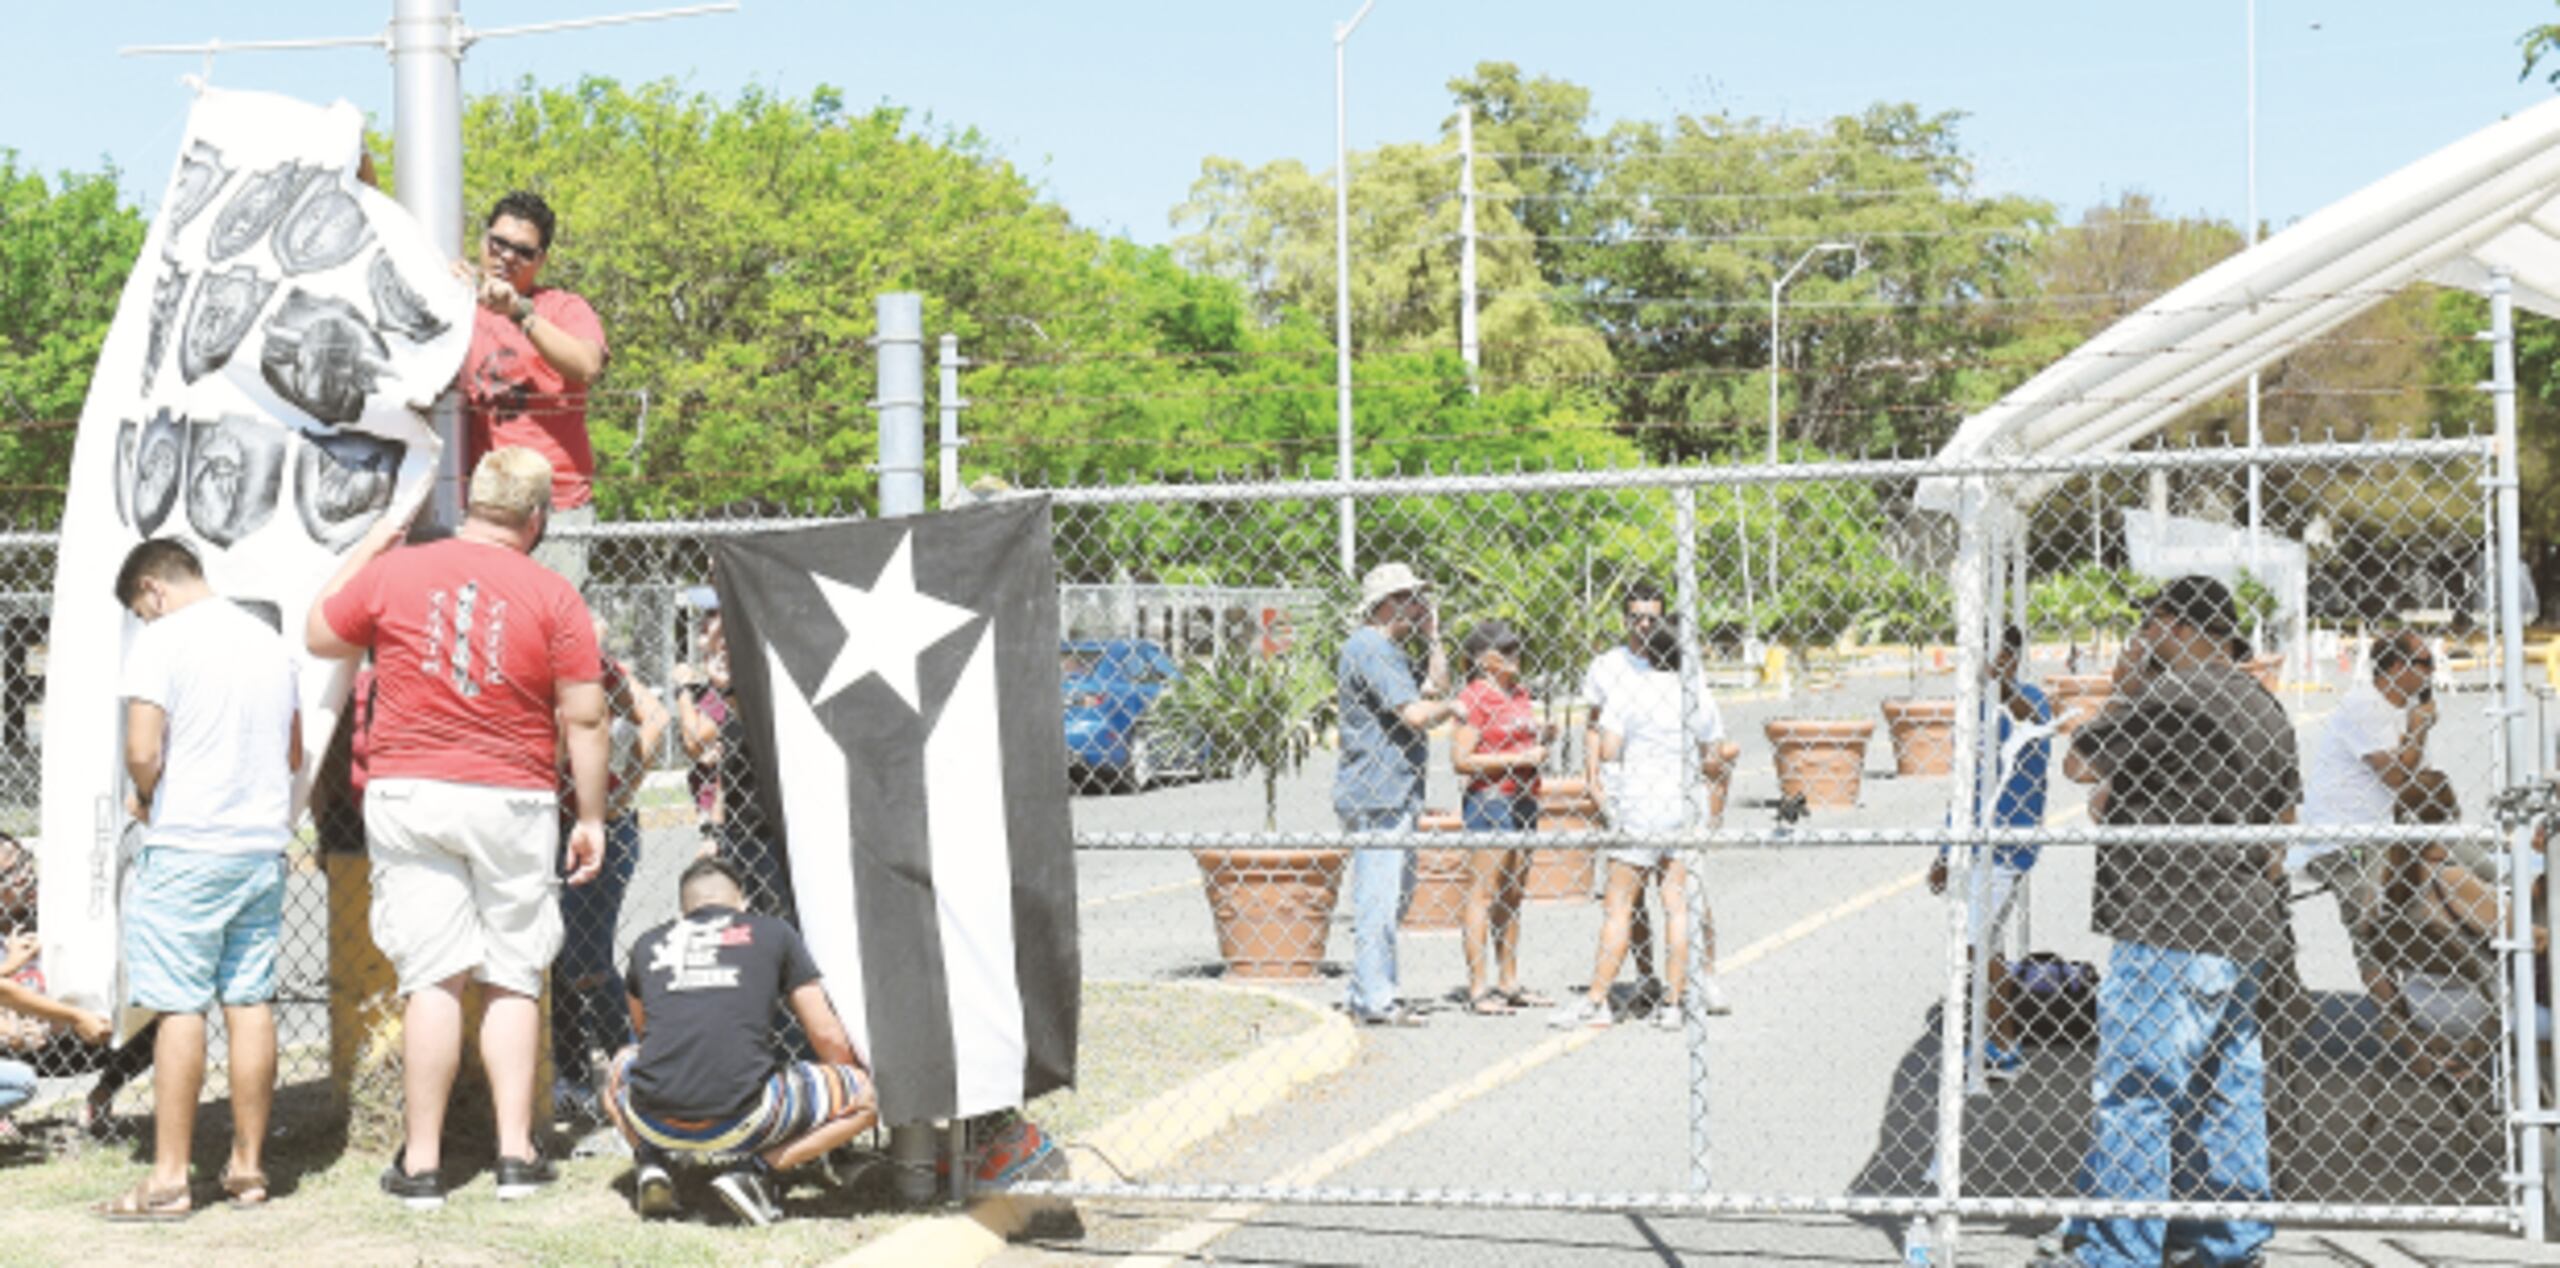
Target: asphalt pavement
x,y
1822,1082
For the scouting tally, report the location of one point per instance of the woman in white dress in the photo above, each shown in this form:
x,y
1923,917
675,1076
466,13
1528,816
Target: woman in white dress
x,y
1642,735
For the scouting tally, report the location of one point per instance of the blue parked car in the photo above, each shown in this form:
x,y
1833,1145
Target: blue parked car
x,y
1110,684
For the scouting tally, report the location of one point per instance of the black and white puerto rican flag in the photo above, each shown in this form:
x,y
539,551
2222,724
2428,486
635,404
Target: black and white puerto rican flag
x,y
898,680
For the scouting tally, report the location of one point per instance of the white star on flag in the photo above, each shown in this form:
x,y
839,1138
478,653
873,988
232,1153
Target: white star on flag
x,y
885,627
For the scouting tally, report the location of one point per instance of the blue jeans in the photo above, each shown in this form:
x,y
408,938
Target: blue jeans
x,y
1485,810
1381,889
17,1085
2182,1108
587,1009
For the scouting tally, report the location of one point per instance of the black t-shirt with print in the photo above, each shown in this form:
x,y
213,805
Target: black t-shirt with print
x,y
709,982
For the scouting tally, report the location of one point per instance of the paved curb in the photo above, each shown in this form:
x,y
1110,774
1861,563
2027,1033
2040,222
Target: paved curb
x,y
1140,1140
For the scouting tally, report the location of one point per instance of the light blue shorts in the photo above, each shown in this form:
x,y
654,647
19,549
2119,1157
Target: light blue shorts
x,y
202,926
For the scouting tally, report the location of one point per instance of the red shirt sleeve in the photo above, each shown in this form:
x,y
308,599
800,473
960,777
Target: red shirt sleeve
x,y
573,315
352,612
574,655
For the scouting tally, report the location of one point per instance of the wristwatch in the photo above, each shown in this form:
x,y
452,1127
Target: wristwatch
x,y
524,313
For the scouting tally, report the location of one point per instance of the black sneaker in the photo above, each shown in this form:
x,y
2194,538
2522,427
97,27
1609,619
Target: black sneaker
x,y
747,1194
518,1178
422,1191
653,1191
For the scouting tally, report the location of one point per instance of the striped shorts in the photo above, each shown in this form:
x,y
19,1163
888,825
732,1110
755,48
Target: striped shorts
x,y
800,1098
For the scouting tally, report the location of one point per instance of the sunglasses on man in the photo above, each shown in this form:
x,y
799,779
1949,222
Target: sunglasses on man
x,y
521,253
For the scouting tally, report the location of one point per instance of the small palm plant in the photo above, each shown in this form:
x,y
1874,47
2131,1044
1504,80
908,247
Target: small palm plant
x,y
1260,713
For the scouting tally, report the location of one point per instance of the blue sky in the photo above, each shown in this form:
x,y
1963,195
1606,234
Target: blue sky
x,y
1112,107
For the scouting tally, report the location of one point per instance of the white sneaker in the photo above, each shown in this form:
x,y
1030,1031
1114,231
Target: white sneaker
x,y
1666,1015
1711,997
1580,1013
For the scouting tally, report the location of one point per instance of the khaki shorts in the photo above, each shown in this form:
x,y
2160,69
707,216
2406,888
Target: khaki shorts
x,y
464,881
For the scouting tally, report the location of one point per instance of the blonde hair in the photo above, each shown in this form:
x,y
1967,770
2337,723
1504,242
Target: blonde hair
x,y
509,485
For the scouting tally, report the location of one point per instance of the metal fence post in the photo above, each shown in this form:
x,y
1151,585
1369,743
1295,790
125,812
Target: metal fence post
x,y
947,397
2516,752
899,350
1694,816
1976,585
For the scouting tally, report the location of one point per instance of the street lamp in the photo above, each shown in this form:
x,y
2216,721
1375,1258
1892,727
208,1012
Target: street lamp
x,y
1342,283
1777,288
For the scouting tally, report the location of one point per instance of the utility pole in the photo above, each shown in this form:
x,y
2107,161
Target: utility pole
x,y
1467,338
426,41
1342,291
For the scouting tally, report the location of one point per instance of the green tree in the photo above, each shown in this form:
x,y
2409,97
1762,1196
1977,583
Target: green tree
x,y
66,247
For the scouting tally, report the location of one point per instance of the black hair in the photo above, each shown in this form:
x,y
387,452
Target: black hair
x,y
2012,639
705,869
1492,635
527,206
2395,650
166,558
1662,643
1638,591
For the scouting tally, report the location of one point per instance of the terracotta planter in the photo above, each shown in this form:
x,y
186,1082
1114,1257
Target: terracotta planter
x,y
1562,875
1924,734
1441,877
2086,693
1822,759
2268,670
1273,907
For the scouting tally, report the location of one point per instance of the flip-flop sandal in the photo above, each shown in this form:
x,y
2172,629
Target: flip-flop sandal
x,y
147,1205
246,1190
1523,997
1489,1004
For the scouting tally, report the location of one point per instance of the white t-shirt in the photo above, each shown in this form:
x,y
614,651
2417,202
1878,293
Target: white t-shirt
x,y
2342,788
1648,781
227,684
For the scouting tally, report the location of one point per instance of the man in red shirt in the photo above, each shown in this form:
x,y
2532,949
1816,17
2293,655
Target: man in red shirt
x,y
476,651
535,350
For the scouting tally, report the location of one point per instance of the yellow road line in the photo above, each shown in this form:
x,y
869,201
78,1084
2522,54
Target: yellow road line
x,y
1187,1242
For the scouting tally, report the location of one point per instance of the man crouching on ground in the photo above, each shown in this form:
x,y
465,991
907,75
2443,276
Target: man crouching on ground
x,y
704,1082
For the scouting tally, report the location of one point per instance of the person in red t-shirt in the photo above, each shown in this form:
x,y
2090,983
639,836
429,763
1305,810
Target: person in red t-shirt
x,y
535,350
1497,745
476,651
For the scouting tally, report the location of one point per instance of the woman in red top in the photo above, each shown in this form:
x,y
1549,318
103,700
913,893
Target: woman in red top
x,y
1497,745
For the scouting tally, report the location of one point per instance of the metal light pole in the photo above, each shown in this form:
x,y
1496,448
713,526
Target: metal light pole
x,y
1776,289
1342,286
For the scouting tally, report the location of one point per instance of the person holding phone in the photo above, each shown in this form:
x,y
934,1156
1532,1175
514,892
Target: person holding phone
x,y
2364,766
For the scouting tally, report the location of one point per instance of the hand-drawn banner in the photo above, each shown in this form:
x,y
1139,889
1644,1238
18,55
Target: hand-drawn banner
x,y
259,396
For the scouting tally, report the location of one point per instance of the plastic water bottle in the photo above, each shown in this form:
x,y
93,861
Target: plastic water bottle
x,y
1916,1251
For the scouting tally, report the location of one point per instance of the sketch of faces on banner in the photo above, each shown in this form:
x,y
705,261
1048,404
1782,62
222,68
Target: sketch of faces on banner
x,y
225,306
343,483
262,200
322,357
201,175
166,291
153,458
325,231
235,476
397,306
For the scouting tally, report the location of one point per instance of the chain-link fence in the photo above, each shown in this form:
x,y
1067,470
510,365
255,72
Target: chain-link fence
x,y
1686,755
2238,860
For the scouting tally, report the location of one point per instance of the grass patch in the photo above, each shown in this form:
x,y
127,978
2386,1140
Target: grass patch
x,y
1137,1041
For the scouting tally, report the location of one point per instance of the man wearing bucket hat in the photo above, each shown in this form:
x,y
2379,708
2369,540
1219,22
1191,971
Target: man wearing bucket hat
x,y
1377,787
